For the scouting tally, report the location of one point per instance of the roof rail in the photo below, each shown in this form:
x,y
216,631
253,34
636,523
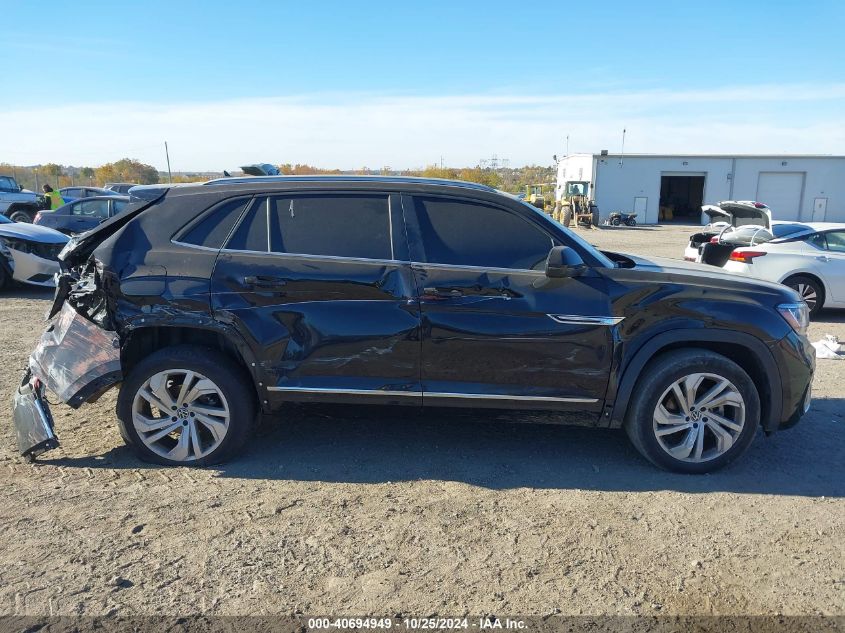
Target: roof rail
x,y
350,178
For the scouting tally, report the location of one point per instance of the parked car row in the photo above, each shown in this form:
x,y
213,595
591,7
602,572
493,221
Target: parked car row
x,y
743,239
69,194
82,215
29,251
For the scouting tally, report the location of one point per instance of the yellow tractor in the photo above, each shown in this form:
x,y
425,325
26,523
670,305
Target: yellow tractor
x,y
541,196
574,202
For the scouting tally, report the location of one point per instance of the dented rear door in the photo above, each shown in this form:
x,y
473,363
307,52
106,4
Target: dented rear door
x,y
321,286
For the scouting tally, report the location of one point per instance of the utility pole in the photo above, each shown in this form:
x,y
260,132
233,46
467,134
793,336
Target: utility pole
x,y
567,144
167,153
622,155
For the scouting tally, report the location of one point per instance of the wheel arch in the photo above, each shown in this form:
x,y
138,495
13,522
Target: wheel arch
x,y
27,207
142,341
747,351
791,274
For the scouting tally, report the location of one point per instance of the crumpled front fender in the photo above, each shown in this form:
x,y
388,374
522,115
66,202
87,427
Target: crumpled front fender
x,y
75,358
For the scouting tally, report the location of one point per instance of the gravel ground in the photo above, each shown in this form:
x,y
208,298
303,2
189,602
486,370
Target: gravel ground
x,y
379,511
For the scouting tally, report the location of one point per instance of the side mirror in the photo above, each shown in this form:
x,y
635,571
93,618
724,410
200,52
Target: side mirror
x,y
564,261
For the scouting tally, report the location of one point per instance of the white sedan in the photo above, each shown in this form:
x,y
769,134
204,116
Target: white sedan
x,y
811,259
29,253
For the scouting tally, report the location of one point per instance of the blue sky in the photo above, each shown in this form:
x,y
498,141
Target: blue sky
x,y
350,84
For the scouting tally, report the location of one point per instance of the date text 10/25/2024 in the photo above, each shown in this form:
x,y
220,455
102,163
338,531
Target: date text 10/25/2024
x,y
411,623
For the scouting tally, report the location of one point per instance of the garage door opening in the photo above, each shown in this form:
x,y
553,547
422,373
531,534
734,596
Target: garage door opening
x,y
681,198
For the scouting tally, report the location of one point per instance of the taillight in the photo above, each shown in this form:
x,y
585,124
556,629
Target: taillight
x,y
714,239
746,257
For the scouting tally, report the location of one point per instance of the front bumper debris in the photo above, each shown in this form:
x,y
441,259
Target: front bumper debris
x,y
33,422
75,359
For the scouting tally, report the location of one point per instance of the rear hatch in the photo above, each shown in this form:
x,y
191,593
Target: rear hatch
x,y
740,213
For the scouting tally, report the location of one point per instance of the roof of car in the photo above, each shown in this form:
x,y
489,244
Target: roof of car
x,y
824,226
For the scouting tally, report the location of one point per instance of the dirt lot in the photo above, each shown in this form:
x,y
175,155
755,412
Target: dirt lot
x,y
385,512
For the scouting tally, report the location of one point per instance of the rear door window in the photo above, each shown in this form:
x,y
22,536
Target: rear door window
x,y
466,233
836,241
356,226
335,225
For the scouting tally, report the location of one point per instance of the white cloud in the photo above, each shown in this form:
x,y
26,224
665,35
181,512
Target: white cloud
x,y
346,131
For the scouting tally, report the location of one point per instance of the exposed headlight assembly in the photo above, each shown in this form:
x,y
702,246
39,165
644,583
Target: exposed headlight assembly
x,y
796,314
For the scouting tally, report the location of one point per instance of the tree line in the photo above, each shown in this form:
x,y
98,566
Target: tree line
x,y
32,177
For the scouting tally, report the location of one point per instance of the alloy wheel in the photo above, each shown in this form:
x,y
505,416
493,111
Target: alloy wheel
x,y
699,417
180,415
808,294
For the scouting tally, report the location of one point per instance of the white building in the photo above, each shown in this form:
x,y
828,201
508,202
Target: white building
x,y
662,188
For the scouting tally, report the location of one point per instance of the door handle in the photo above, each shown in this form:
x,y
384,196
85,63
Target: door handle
x,y
823,258
264,281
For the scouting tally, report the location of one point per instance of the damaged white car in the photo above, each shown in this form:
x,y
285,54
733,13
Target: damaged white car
x,y
29,253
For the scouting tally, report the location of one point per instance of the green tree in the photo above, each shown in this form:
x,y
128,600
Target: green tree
x,y
127,170
54,171
87,173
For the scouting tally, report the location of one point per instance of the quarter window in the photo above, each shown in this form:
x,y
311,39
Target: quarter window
x,y
471,234
251,234
213,229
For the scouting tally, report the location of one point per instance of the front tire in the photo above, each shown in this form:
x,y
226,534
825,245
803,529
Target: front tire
x,y
810,290
21,215
694,411
186,406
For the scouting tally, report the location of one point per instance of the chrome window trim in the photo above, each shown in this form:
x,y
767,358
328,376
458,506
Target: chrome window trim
x,y
430,394
578,319
330,258
506,271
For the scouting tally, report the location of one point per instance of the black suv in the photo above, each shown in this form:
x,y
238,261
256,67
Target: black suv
x,y
211,303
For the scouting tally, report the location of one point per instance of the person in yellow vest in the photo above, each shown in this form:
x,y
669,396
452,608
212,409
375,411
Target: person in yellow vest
x,y
56,199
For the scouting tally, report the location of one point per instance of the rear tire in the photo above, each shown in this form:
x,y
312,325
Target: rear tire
x,y
710,422
567,216
631,222
810,290
615,221
210,419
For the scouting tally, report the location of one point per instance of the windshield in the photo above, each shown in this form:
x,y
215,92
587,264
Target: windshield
x,y
576,188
